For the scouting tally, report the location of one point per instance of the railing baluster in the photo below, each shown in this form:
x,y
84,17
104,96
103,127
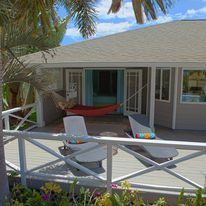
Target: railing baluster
x,y
109,168
24,119
22,159
6,115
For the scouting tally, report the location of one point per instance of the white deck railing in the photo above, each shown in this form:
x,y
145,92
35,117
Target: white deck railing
x,y
11,113
198,149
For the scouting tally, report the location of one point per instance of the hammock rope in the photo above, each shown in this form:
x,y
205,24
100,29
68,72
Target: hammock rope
x,y
121,104
91,110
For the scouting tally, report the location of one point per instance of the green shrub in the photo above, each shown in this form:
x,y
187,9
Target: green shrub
x,y
51,194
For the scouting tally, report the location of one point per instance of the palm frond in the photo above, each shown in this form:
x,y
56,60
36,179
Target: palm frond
x,y
5,9
15,72
55,36
148,7
138,10
115,6
84,14
36,12
15,39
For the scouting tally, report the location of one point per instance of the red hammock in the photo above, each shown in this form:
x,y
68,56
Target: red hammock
x,y
93,111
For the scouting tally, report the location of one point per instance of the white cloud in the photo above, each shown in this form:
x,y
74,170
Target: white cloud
x,y
192,13
103,29
72,32
111,28
160,20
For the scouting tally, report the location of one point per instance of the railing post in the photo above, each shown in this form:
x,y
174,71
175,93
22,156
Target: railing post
x,y
6,122
22,159
152,97
204,180
109,168
39,110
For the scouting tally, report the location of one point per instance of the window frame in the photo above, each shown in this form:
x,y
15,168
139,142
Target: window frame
x,y
181,86
161,77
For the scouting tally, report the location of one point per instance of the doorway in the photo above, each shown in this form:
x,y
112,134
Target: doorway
x,y
104,87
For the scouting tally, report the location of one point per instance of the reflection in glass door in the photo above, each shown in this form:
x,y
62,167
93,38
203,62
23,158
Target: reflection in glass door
x,y
74,85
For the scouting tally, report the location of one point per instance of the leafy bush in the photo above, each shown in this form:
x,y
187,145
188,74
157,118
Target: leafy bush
x,y
51,194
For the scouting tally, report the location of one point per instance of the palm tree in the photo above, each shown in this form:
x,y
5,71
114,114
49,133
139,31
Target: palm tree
x,y
4,187
42,14
31,44
21,21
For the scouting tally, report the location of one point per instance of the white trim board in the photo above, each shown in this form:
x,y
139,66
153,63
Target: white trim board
x,y
152,97
174,111
118,64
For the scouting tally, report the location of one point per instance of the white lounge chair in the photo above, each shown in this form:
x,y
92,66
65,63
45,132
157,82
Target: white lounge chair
x,y
140,124
75,127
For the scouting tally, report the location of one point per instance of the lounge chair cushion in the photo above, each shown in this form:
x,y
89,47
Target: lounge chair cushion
x,y
145,136
73,139
140,123
75,142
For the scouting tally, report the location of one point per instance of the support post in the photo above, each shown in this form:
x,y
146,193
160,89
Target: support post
x,y
148,90
175,99
109,168
22,159
152,97
6,122
39,110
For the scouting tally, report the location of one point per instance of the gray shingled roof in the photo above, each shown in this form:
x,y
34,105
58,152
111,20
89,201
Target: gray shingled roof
x,y
178,41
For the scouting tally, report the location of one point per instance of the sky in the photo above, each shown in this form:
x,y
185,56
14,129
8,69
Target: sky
x,y
124,20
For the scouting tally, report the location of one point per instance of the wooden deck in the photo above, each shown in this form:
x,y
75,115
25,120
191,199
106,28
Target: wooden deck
x,y
123,163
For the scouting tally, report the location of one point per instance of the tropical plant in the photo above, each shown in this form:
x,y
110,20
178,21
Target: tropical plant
x,y
25,24
51,194
15,75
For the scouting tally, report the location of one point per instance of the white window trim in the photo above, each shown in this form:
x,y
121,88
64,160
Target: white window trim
x,y
160,99
181,87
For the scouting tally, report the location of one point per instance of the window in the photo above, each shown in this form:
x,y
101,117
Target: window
x,y
194,86
162,88
55,77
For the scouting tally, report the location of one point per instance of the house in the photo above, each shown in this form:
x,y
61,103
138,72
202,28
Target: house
x,y
159,71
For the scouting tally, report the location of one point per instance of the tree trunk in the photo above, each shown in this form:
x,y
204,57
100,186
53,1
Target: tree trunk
x,y
14,89
4,187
